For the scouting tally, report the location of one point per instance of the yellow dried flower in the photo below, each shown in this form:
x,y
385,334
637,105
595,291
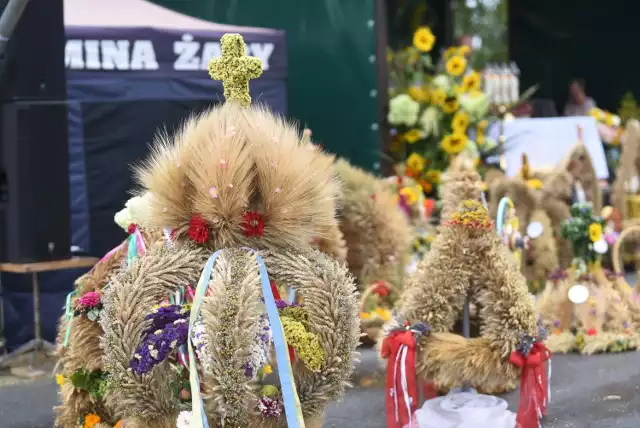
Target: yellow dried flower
x,y
438,97
306,344
60,380
418,93
235,69
433,176
267,369
412,136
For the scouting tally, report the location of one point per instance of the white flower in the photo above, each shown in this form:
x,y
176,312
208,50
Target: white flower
x,y
430,121
442,82
616,120
403,110
477,105
136,211
184,419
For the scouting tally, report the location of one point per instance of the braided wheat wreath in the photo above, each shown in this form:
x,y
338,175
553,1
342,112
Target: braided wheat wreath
x,y
234,178
467,258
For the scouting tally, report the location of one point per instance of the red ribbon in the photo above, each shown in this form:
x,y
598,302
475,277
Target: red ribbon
x,y
533,385
276,295
392,349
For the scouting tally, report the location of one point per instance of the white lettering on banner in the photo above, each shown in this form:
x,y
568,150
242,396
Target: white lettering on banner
x,y
187,51
262,51
92,54
115,54
210,50
73,57
191,55
143,56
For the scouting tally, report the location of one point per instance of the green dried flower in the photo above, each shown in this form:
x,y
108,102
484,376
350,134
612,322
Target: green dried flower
x,y
306,344
235,69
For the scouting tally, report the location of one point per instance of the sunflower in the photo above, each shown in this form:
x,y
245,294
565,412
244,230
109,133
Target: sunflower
x,y
416,163
471,82
454,143
464,50
433,176
451,105
595,232
423,39
451,51
460,122
419,93
412,136
456,65
438,97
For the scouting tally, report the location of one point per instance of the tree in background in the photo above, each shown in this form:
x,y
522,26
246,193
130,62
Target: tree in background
x,y
487,22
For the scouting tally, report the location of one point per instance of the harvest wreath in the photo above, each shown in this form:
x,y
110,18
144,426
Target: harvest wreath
x,y
191,328
466,259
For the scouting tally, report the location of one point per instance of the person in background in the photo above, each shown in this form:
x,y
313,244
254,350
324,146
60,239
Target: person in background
x,y
579,104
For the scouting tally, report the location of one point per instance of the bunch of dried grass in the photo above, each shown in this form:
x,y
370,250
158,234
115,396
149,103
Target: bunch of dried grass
x,y
468,261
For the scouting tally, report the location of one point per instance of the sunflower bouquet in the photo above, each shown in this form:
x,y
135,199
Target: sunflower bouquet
x,y
436,111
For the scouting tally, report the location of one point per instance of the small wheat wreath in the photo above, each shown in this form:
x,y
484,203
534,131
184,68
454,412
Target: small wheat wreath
x,y
229,313
468,259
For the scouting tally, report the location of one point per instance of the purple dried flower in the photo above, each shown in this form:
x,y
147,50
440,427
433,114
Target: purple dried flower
x,y
168,331
270,407
556,323
543,333
626,324
525,345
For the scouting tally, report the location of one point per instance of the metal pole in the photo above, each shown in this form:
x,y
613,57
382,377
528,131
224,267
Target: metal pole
x,y
8,21
37,329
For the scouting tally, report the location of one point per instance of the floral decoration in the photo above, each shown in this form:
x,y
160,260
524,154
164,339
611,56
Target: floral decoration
x,y
436,111
584,230
252,224
184,419
168,331
90,305
297,331
91,420
270,403
198,229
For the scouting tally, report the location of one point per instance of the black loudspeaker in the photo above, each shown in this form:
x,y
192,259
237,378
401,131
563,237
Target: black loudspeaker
x,y
34,65
34,186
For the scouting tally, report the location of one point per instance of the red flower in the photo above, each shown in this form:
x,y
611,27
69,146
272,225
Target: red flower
x,y
252,224
382,289
132,228
591,332
89,300
198,229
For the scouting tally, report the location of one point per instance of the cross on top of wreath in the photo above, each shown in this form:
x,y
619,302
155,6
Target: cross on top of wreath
x,y
235,69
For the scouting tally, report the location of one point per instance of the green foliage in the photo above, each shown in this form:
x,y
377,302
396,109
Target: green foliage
x,y
576,230
488,21
95,383
628,108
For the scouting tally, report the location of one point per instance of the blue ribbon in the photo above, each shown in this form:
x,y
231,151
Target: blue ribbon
x,y
290,398
132,250
502,208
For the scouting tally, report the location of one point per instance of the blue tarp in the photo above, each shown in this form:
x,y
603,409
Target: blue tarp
x,y
121,90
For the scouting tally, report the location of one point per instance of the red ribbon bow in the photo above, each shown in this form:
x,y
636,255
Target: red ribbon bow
x,y
399,347
534,395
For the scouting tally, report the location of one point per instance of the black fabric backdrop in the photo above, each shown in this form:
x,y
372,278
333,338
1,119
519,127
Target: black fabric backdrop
x,y
113,143
553,41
